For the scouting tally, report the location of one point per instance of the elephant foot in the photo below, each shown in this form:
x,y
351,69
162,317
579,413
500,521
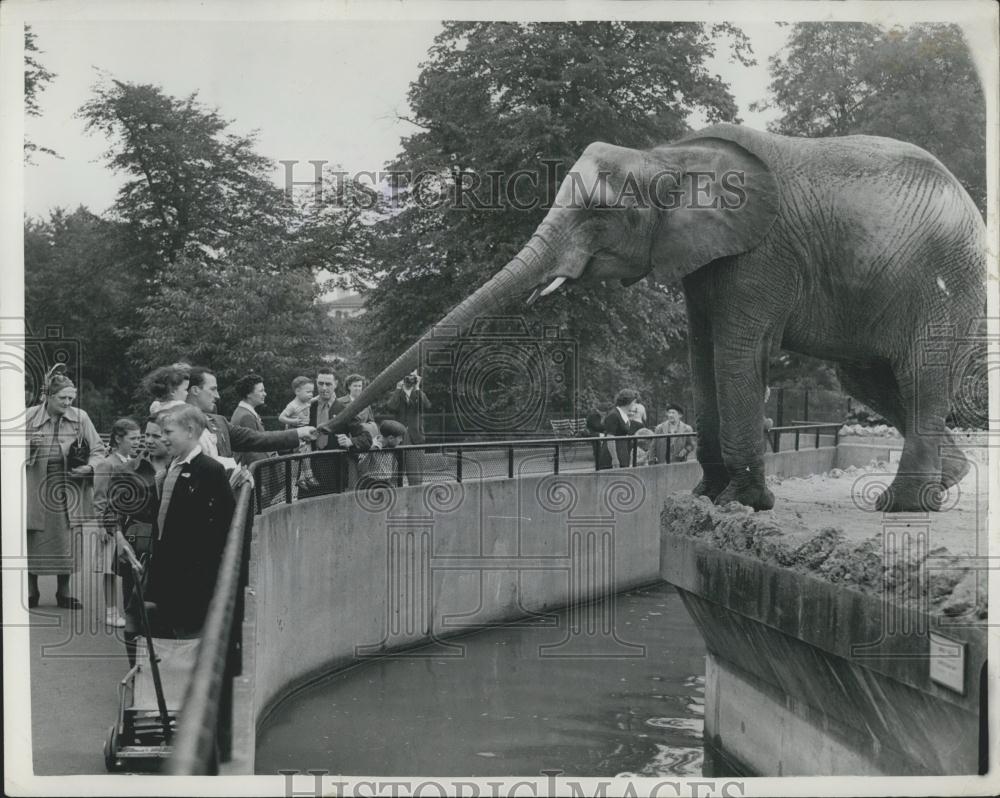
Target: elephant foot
x,y
746,486
954,467
912,495
758,497
714,481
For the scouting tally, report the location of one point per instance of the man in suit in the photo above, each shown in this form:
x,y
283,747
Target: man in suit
x,y
617,423
221,438
189,534
332,472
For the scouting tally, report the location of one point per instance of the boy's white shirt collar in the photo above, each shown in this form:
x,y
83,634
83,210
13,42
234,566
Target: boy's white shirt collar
x,y
188,457
623,413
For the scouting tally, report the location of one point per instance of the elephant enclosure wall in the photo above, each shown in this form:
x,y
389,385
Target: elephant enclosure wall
x,y
337,580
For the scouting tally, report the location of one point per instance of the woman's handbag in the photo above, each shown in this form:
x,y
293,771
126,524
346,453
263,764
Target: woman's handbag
x,y
79,452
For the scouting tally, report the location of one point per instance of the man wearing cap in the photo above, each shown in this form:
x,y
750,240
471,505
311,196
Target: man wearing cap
x,y
680,448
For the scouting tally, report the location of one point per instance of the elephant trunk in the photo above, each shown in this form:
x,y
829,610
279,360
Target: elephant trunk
x,y
522,274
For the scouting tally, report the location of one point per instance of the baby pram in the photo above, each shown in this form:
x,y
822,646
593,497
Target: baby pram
x,y
150,698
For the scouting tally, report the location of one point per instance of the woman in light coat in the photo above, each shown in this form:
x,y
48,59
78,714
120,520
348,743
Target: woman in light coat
x,y
59,498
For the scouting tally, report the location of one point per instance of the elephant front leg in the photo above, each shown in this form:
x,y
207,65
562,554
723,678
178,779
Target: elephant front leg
x,y
715,477
741,409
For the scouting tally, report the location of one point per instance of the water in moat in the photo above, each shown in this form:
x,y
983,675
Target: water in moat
x,y
626,699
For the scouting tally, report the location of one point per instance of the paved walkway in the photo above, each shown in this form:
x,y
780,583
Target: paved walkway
x,y
76,665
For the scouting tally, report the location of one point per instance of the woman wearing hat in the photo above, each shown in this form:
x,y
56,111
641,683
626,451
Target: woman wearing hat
x,y
63,448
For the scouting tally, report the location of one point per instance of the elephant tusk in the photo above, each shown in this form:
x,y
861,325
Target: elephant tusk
x,y
533,297
553,286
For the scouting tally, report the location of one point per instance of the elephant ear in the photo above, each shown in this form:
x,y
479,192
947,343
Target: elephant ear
x,y
724,199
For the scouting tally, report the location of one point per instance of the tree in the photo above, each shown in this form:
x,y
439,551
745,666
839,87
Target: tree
x,y
195,188
236,314
76,280
222,277
917,84
36,77
526,98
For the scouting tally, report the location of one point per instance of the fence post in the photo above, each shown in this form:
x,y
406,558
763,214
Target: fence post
x,y
288,481
510,462
805,405
796,440
775,441
555,461
817,437
458,464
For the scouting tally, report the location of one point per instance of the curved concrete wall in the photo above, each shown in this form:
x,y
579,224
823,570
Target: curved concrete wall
x,y
337,580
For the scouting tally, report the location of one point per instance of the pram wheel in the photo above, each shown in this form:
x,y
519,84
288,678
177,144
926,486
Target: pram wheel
x,y
111,761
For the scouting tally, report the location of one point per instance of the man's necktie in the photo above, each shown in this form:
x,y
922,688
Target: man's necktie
x,y
168,488
322,416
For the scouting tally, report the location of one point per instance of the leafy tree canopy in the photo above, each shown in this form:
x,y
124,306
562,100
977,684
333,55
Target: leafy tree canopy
x,y
236,314
194,187
917,84
36,77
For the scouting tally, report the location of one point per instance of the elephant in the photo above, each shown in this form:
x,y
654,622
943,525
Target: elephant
x,y
861,250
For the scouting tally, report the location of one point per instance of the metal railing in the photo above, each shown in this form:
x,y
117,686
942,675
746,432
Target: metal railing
x,y
285,479
205,732
816,430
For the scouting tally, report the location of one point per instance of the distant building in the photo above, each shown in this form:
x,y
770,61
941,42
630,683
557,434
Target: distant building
x,y
345,306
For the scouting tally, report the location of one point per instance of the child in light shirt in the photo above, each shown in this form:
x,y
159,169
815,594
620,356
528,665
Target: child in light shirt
x,y
296,414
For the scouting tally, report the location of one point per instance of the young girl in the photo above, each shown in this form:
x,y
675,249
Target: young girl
x,y
124,444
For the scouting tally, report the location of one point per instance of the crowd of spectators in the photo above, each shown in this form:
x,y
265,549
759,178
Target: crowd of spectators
x,y
626,420
158,498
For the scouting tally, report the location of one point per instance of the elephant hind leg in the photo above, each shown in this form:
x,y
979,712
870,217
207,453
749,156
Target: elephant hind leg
x,y
920,481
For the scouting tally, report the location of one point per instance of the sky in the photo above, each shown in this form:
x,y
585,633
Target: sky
x,y
330,90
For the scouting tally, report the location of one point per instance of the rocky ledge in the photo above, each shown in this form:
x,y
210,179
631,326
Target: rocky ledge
x,y
785,538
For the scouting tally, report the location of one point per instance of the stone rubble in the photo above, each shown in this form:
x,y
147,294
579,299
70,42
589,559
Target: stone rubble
x,y
828,553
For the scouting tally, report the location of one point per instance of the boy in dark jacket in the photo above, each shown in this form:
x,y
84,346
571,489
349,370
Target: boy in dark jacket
x,y
189,534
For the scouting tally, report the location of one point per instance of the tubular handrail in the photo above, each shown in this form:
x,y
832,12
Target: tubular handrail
x,y
195,748
808,426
